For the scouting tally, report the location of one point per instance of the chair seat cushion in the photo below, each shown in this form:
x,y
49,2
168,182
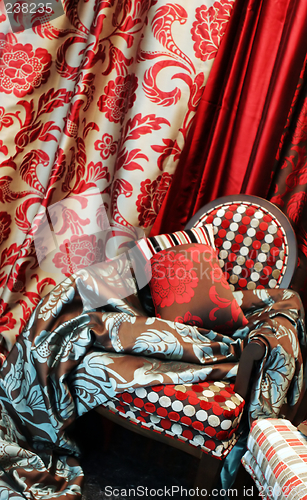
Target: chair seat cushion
x,y
276,458
206,415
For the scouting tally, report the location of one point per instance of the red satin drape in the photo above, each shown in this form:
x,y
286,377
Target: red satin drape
x,y
232,145
289,184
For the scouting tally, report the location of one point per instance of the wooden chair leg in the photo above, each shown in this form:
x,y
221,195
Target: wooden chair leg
x,y
208,473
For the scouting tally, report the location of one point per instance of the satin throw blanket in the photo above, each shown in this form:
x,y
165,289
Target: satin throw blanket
x,y
72,357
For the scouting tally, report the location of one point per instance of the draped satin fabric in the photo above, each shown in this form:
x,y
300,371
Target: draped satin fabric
x,y
235,136
72,358
289,184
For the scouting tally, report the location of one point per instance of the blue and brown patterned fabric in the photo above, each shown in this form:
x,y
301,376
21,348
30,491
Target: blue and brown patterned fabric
x,y
74,356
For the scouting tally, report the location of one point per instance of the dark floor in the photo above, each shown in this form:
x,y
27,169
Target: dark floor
x,y
116,460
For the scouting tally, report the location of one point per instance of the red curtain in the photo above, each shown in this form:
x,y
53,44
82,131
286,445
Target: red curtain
x,y
289,184
232,145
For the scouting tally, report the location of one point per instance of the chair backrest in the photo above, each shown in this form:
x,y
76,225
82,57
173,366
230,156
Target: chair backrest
x,y
255,242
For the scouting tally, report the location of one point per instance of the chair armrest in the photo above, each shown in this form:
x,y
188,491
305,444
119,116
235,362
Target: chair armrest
x,y
299,411
254,351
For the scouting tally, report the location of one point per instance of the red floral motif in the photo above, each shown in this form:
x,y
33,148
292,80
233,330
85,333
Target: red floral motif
x,y
292,180
302,244
174,279
236,311
221,302
78,253
71,221
7,322
151,198
217,276
296,205
5,120
209,28
95,172
18,278
190,319
277,200
5,221
106,146
21,69
3,148
169,148
300,132
118,97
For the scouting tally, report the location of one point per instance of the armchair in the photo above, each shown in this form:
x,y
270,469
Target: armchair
x,y
181,377
257,249
210,460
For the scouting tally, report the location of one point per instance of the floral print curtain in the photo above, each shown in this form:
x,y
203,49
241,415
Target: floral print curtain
x,y
98,98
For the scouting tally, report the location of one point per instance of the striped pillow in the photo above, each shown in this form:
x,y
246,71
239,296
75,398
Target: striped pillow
x,y
154,244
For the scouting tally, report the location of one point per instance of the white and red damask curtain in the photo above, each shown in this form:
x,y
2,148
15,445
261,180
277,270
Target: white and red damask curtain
x,y
102,98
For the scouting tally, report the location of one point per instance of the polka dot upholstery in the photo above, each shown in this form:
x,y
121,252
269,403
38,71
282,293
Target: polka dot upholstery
x,y
252,242
205,415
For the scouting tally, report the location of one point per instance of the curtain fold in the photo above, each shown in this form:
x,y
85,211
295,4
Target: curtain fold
x,y
235,135
289,185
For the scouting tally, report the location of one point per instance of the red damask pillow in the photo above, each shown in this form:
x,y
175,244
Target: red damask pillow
x,y
189,286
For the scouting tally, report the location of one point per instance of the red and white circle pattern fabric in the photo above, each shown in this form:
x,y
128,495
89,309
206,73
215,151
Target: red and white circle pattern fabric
x,y
252,246
206,415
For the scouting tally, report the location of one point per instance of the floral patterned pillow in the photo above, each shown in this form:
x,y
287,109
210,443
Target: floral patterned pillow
x,y
145,248
189,286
